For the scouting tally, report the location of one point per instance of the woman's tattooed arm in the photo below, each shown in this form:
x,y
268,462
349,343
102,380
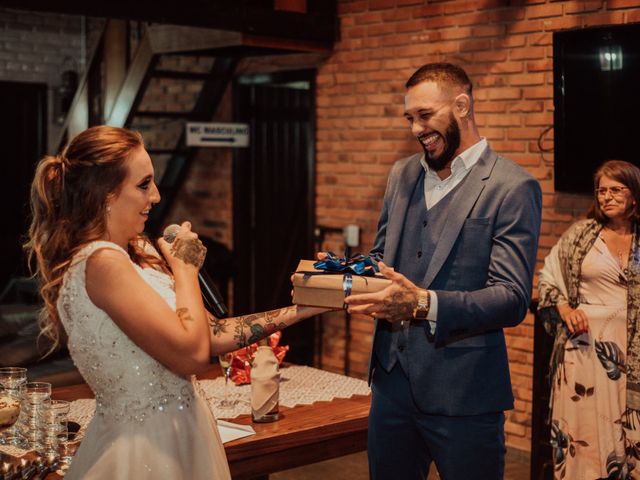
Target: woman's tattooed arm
x,y
248,329
228,334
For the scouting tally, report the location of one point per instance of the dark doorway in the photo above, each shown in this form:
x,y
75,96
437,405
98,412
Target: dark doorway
x,y
23,127
273,184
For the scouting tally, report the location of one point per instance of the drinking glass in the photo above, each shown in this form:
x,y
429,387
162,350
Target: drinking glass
x,y
36,397
54,426
9,408
11,380
225,364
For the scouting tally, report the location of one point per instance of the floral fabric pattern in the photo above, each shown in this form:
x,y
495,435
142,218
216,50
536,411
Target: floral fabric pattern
x,y
594,420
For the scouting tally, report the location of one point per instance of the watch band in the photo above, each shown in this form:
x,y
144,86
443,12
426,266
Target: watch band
x,y
421,310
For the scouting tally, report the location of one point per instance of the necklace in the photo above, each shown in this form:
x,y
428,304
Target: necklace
x,y
621,238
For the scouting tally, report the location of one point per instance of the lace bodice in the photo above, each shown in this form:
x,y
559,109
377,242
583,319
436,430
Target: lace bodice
x,y
127,382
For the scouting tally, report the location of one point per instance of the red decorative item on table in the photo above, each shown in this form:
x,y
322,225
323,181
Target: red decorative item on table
x,y
243,358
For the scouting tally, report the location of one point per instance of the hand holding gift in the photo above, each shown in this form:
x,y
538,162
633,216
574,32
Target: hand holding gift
x,y
327,282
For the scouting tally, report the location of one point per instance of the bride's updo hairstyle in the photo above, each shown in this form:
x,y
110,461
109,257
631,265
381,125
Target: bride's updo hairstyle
x,y
69,208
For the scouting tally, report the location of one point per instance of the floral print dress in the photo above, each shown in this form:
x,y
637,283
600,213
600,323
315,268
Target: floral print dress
x,y
588,398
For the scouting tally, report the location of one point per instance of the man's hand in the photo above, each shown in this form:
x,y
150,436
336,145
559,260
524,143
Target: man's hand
x,y
394,303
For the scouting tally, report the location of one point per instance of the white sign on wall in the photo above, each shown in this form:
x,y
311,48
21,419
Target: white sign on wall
x,y
213,134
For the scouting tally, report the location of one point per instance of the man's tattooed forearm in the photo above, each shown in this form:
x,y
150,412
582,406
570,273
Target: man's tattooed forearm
x,y
190,251
184,315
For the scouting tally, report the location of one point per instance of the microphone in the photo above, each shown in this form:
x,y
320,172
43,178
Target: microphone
x,y
210,293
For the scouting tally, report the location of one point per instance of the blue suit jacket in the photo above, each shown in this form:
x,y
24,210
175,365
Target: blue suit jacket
x,y
481,271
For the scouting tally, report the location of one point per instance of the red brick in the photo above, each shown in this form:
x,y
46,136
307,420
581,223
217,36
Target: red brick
x,y
613,4
455,33
604,19
381,4
429,11
539,119
583,6
526,79
460,7
511,41
527,26
540,39
563,23
545,65
351,7
526,106
505,15
397,15
488,30
528,53
367,18
410,26
538,92
523,133
490,107
506,67
544,11
497,120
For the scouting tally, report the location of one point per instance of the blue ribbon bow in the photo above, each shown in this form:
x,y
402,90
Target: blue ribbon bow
x,y
357,264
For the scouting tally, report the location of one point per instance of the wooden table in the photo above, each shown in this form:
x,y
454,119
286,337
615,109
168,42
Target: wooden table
x,y
303,435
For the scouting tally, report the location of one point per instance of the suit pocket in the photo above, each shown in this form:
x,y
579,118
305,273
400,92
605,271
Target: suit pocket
x,y
472,253
492,339
477,221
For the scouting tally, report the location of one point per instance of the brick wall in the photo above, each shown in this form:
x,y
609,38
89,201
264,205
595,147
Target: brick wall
x,y
506,47
38,47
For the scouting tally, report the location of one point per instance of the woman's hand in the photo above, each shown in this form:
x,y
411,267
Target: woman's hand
x,y
575,319
185,251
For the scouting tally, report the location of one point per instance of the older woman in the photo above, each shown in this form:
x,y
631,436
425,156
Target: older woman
x,y
589,298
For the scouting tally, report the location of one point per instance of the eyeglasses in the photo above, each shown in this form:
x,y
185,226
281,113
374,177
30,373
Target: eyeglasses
x,y
615,191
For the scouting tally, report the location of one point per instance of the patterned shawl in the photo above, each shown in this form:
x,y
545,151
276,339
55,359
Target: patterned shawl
x,y
560,282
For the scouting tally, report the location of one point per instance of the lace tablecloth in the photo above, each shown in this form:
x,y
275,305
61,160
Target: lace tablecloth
x,y
299,385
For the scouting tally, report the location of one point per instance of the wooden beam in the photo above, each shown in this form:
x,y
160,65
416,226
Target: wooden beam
x,y
130,90
244,16
78,116
115,61
176,38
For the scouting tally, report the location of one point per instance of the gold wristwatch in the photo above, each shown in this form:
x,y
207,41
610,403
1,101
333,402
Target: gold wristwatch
x,y
422,308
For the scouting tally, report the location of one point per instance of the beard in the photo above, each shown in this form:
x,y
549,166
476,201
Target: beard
x,y
452,142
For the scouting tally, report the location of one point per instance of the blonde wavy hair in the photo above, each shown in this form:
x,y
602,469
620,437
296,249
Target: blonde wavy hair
x,y
68,207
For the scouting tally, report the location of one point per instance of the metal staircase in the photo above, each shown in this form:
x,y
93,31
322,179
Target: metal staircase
x,y
175,75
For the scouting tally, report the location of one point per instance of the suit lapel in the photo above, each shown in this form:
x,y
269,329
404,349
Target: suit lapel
x,y
398,212
464,200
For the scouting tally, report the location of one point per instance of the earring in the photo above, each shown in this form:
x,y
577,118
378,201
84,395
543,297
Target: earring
x,y
108,209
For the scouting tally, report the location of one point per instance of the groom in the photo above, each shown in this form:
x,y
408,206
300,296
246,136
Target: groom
x,y
459,225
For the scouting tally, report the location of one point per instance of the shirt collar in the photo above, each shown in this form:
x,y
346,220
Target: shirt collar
x,y
465,160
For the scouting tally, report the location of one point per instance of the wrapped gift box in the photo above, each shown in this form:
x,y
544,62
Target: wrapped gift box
x,y
325,289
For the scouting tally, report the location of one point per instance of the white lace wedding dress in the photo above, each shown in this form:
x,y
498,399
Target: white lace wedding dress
x,y
149,423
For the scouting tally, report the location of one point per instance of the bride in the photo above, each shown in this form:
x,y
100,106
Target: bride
x,y
134,322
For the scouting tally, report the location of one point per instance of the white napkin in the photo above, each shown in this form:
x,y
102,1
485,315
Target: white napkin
x,y
232,431
265,382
